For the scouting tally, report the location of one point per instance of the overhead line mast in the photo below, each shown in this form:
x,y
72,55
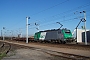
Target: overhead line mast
x,y
27,28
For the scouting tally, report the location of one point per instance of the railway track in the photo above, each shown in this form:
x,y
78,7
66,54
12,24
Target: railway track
x,y
66,55
50,52
2,44
4,49
69,46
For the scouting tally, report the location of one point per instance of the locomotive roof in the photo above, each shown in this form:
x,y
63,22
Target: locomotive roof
x,y
50,30
54,30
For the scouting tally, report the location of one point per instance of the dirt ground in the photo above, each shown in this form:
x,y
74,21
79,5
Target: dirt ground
x,y
20,52
29,54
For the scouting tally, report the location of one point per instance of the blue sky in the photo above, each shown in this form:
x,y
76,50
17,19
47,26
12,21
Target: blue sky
x,y
44,12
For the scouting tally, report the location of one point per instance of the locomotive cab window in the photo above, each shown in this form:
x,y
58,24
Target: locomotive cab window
x,y
68,31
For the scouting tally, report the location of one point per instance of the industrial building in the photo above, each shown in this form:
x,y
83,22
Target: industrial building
x,y
81,35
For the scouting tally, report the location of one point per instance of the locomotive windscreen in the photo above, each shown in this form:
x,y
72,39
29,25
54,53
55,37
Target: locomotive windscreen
x,y
67,31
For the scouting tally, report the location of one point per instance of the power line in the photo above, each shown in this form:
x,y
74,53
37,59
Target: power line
x,y
46,24
51,7
47,9
61,21
54,22
82,6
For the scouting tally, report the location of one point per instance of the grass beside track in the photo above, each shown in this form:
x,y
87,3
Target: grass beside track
x,y
4,49
2,55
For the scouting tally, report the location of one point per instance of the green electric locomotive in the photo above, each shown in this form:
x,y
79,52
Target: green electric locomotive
x,y
55,35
